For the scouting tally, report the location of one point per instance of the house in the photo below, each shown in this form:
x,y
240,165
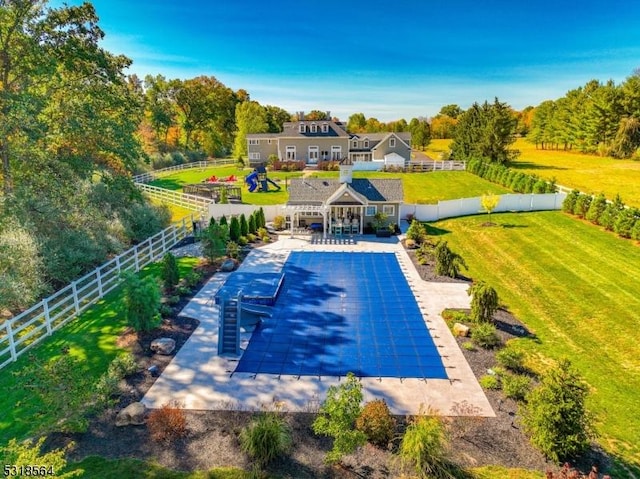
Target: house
x,y
345,205
312,141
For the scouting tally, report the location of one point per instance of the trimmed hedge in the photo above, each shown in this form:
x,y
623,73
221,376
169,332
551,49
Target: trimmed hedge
x,y
515,180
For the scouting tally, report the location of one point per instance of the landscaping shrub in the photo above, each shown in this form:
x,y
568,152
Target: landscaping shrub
x,y
376,422
266,438
141,301
233,250
515,386
122,366
278,222
234,229
262,232
416,232
251,238
425,252
192,279
244,225
251,224
424,448
223,221
635,231
625,222
214,241
167,423
106,388
555,415
490,381
484,301
454,315
170,274
262,223
243,241
511,359
29,455
581,207
337,417
485,336
448,263
468,346
569,203
596,209
142,221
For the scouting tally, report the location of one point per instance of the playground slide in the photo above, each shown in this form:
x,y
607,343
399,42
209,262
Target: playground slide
x,y
252,181
274,183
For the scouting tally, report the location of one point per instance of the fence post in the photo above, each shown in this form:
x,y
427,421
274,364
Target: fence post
x,y
74,287
12,344
99,279
135,257
47,316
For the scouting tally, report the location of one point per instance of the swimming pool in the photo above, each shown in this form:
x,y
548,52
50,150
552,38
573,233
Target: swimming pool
x,y
340,312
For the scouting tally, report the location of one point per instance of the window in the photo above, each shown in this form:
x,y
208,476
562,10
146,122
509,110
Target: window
x,y
269,141
371,211
254,156
254,142
302,128
314,128
325,128
388,210
291,153
336,152
366,144
392,142
325,155
355,144
313,154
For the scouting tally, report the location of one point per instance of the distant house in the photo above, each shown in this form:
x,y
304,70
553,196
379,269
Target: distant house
x,y
324,140
345,205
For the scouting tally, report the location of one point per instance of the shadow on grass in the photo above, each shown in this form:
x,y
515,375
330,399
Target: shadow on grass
x,y
534,166
168,183
435,231
512,226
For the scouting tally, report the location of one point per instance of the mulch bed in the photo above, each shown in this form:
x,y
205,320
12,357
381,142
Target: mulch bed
x,y
212,438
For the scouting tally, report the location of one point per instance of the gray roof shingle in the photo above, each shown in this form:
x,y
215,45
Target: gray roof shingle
x,y
317,190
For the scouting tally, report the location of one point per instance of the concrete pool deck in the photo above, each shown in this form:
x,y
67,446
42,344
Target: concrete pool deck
x,y
200,379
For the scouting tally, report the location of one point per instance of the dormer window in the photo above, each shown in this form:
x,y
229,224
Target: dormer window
x,y
355,144
392,142
314,128
302,128
366,144
325,128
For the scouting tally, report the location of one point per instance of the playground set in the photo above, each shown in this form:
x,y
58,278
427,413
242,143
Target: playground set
x,y
213,186
258,180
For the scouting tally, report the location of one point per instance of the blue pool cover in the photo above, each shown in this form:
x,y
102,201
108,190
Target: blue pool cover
x,y
340,312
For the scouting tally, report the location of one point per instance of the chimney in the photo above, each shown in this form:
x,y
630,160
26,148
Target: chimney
x,y
328,113
300,116
346,171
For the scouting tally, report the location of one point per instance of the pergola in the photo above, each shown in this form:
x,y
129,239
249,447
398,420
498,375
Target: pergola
x,y
294,212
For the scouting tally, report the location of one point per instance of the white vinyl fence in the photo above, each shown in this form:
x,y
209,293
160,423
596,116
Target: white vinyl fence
x,y
22,332
152,175
472,206
191,202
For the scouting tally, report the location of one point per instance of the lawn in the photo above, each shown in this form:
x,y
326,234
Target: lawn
x,y
418,187
588,173
91,467
177,212
576,287
90,337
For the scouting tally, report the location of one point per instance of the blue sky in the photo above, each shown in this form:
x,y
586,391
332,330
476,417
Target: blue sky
x,y
386,59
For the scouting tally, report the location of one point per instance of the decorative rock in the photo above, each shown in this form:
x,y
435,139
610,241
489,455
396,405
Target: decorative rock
x,y
460,329
153,370
133,414
228,266
163,346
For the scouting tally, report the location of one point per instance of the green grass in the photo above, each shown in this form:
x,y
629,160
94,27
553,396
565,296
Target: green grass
x,y
576,288
588,173
177,212
90,337
498,472
418,187
93,466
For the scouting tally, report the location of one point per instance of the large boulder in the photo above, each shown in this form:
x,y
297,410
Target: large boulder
x,y
228,266
163,345
134,414
460,329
